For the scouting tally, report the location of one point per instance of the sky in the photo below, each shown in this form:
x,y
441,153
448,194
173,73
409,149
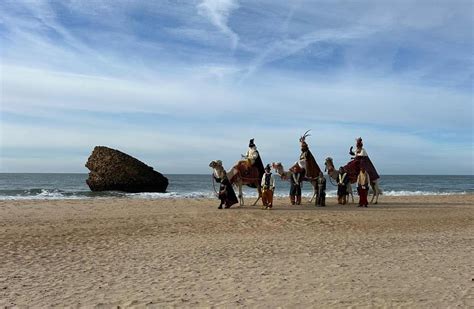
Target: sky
x,y
180,83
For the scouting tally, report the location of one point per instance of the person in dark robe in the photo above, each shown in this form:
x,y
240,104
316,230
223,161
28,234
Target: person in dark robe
x,y
296,181
342,182
321,193
307,161
226,193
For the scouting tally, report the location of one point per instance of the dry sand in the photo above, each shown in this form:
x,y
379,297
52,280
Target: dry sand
x,y
406,252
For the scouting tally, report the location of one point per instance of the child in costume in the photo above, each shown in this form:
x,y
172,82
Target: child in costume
x,y
268,188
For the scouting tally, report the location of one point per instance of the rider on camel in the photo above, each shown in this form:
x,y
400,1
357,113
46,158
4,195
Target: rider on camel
x,y
306,161
360,150
361,159
252,158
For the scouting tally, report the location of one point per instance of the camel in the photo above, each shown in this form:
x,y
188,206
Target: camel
x,y
239,175
285,175
333,173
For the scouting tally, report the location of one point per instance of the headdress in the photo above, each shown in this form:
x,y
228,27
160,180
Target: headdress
x,y
359,143
303,139
251,143
268,168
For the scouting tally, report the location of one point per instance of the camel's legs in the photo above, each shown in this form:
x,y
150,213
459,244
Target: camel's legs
x,y
349,189
256,201
352,196
259,191
241,195
314,191
376,189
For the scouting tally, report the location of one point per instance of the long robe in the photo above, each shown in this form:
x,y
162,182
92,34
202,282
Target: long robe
x,y
353,168
342,183
296,181
312,169
227,193
259,165
261,169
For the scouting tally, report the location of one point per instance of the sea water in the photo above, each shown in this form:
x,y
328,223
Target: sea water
x,y
73,186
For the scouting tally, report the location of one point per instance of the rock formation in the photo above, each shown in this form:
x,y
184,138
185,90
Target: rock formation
x,y
111,169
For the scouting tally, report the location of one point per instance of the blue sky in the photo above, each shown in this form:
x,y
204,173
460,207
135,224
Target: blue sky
x,y
180,83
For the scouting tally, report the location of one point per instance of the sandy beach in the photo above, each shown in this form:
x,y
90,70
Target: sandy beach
x,y
406,252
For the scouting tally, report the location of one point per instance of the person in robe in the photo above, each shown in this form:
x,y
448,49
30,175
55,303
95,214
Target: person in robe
x,y
342,182
268,188
226,193
360,158
363,181
296,181
252,158
306,161
321,193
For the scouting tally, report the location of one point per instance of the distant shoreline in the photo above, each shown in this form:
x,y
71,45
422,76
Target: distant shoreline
x,y
331,200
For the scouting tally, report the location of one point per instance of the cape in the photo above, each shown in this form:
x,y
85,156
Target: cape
x,y
259,165
261,169
353,168
312,168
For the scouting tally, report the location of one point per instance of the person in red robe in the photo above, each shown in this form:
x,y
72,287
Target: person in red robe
x,y
363,182
360,159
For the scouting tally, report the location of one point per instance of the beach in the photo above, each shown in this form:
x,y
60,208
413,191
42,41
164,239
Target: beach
x,y
405,252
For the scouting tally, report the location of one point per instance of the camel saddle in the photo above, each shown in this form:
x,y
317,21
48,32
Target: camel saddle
x,y
248,174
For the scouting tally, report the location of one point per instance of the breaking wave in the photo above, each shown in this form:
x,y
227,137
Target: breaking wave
x,y
55,194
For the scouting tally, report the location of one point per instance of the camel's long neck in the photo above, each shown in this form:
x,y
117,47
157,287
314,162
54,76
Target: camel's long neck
x,y
332,172
219,173
231,173
281,171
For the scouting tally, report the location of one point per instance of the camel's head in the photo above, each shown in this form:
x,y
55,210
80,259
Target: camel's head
x,y
278,167
215,164
219,171
329,165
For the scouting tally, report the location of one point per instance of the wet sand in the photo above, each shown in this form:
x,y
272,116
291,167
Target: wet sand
x,y
405,252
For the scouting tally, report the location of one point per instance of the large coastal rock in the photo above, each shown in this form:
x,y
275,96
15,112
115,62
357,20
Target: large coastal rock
x,y
111,169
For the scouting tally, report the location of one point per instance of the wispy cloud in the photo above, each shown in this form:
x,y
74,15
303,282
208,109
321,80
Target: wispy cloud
x,y
218,12
286,47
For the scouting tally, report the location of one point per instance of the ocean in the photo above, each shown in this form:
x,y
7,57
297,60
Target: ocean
x,y
73,186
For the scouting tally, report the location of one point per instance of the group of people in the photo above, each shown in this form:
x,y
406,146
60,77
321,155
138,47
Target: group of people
x,y
296,183
305,168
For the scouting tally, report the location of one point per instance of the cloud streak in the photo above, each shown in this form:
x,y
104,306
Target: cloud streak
x,y
218,12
